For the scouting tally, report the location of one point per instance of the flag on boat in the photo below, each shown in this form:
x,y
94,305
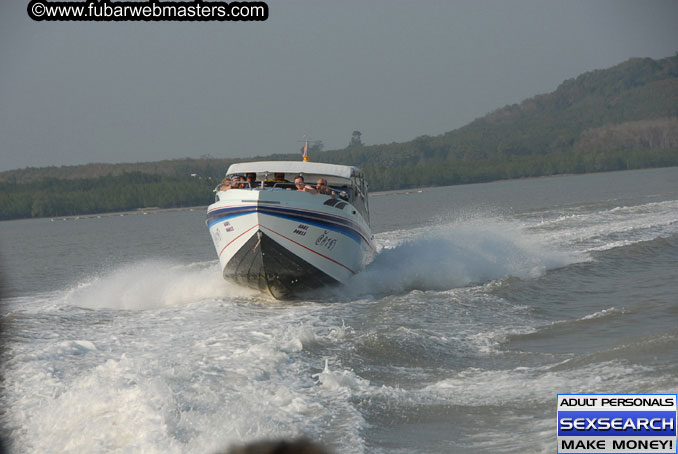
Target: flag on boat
x,y
305,150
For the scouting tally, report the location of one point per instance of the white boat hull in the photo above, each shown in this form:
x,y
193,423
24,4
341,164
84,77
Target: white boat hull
x,y
288,242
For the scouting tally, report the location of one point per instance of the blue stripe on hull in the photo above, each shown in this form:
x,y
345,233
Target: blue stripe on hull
x,y
340,225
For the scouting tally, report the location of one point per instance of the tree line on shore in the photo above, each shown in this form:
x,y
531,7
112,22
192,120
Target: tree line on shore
x,y
59,197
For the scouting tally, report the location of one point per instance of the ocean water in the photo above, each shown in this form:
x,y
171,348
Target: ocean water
x,y
484,302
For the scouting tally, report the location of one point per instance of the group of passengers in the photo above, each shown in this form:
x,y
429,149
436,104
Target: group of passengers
x,y
320,187
238,182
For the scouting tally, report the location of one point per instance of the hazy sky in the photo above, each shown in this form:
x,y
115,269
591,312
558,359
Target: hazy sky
x,y
79,92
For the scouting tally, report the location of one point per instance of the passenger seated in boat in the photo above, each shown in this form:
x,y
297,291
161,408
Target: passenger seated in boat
x,y
237,182
279,177
225,185
302,186
252,180
322,187
278,181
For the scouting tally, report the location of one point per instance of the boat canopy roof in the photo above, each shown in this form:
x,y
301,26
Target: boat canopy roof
x,y
298,167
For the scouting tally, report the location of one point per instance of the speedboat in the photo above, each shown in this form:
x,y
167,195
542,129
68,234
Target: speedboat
x,y
274,236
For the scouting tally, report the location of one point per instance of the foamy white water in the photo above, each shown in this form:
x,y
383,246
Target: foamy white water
x,y
602,229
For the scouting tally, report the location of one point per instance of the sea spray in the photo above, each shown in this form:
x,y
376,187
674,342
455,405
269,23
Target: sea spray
x,y
456,254
151,284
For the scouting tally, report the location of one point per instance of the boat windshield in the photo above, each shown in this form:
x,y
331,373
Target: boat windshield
x,y
352,190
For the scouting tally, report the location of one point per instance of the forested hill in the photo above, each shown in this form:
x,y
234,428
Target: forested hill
x,y
622,117
619,118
